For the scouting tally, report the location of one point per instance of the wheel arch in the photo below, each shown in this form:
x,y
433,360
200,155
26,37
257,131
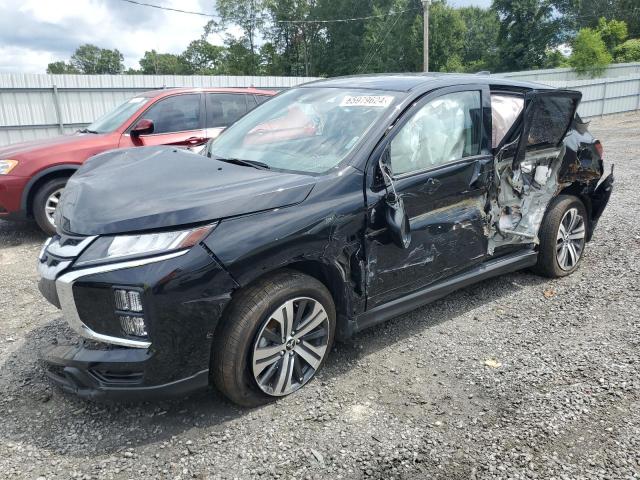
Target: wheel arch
x,y
332,277
577,190
39,179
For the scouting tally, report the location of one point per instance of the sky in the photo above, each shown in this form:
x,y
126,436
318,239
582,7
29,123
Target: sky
x,y
34,33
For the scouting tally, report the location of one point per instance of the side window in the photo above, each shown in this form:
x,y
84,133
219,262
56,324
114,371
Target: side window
x,y
446,129
224,108
505,110
262,98
175,114
550,118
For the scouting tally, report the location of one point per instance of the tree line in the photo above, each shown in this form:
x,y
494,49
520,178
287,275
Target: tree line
x,y
294,38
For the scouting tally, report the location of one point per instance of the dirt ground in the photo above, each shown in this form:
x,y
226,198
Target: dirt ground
x,y
517,377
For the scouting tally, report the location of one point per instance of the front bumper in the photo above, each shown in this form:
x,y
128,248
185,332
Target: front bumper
x,y
112,374
11,188
183,296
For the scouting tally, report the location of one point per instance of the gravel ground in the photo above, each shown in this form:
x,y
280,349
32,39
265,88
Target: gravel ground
x,y
517,377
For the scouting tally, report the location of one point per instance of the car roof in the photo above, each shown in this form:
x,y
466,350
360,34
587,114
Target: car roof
x,y
406,82
171,91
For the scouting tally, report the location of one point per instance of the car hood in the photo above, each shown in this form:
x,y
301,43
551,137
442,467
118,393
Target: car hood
x,y
18,151
163,187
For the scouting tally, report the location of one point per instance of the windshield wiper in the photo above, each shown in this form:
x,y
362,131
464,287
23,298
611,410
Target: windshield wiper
x,y
86,130
245,163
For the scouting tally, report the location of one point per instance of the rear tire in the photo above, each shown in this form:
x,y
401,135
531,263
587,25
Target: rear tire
x,y
254,360
562,237
45,203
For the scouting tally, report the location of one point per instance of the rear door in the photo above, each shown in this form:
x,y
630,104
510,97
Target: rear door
x,y
442,168
223,109
547,118
178,120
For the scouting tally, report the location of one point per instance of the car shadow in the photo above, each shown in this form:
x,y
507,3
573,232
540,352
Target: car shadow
x,y
15,233
34,412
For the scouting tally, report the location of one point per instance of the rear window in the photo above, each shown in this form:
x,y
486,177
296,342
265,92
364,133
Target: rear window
x,y
505,110
223,109
551,116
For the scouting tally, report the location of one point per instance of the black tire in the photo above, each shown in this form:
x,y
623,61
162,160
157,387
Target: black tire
x,y
40,201
548,264
248,312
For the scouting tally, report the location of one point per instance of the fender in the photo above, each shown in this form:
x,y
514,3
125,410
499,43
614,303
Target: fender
x,y
24,202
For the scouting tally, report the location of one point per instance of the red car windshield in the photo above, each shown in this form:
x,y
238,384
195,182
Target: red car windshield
x,y
116,117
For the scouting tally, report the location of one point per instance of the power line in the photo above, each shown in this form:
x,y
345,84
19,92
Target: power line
x,y
377,48
160,7
210,15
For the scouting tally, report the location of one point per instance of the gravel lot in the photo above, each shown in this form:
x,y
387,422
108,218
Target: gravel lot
x,y
518,377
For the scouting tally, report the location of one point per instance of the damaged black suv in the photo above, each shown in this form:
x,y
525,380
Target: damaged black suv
x,y
330,208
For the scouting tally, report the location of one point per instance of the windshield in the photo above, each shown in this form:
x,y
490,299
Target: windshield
x,y
304,129
116,117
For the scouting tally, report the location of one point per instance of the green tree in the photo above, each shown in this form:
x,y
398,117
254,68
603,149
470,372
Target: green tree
x,y
392,40
296,43
90,59
629,51
61,67
154,63
480,48
250,16
612,32
447,35
204,58
239,59
342,48
590,56
587,13
528,30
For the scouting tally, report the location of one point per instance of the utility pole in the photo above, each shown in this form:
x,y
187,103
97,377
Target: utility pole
x,y
425,6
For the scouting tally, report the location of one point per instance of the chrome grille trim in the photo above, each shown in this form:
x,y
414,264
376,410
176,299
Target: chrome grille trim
x,y
64,287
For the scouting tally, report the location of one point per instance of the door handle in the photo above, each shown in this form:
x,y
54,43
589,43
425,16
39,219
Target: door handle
x,y
195,140
431,185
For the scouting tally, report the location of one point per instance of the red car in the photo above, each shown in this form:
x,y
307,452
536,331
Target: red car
x,y
33,174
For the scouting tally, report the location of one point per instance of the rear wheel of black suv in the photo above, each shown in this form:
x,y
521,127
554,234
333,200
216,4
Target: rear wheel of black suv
x,y
276,334
45,203
562,237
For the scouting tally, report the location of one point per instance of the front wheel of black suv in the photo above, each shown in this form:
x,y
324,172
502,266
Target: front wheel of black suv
x,y
276,334
562,237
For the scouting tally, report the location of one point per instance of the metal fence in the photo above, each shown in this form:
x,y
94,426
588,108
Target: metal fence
x,y
36,106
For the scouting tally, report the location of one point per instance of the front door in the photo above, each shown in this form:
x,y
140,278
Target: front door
x,y
177,120
442,169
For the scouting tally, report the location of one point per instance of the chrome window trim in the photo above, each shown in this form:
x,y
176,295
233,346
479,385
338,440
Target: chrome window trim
x,y
64,287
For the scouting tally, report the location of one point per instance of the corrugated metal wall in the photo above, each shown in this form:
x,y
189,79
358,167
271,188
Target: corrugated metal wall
x,y
561,74
37,106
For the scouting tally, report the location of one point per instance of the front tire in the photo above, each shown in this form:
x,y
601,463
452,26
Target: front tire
x,y
562,237
275,336
45,203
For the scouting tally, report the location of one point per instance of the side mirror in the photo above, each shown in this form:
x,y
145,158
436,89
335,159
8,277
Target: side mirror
x,y
143,127
395,214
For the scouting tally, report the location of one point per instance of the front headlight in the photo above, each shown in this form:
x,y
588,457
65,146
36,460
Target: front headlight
x,y
123,247
7,165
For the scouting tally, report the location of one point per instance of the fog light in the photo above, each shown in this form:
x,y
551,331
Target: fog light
x,y
135,302
122,299
128,300
133,326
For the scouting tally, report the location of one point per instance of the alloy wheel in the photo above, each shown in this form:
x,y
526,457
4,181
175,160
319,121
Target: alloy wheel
x,y
290,346
51,205
570,239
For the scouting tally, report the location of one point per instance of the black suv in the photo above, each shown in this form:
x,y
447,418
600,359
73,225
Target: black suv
x,y
330,208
